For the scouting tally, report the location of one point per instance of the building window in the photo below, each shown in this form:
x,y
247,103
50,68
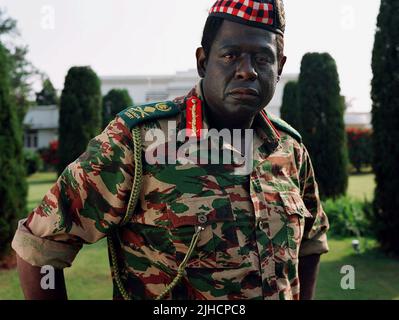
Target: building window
x,y
31,139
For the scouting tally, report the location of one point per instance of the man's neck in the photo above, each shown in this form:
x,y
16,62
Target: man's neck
x,y
229,124
219,122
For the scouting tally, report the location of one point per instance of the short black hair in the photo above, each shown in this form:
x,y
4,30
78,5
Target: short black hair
x,y
213,25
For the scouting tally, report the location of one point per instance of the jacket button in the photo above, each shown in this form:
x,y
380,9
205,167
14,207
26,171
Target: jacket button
x,y
202,218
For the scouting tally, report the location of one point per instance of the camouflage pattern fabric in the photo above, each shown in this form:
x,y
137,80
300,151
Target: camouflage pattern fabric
x,y
256,226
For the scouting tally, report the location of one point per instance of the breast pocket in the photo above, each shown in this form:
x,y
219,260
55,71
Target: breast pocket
x,y
218,245
285,225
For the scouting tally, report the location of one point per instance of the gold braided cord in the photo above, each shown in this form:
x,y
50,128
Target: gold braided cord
x,y
137,178
194,118
182,266
134,196
114,263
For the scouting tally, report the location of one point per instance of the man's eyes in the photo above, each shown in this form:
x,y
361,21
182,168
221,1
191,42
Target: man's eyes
x,y
229,56
260,59
263,59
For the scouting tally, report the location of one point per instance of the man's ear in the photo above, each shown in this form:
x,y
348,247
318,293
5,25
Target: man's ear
x,y
281,65
201,62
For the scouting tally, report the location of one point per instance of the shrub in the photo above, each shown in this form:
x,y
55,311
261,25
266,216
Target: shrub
x,y
385,112
290,111
113,102
33,162
48,95
13,187
80,114
359,147
322,127
349,217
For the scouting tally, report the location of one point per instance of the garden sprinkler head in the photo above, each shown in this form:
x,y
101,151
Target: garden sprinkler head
x,y
356,245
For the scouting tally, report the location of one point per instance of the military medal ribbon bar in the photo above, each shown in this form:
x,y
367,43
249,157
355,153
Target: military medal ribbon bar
x,y
194,116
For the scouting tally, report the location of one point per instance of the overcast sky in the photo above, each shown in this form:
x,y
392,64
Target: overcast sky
x,y
132,37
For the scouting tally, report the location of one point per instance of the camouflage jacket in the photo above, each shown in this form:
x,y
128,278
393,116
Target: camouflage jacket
x,y
256,226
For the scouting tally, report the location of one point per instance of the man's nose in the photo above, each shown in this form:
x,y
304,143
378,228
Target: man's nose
x,y
245,69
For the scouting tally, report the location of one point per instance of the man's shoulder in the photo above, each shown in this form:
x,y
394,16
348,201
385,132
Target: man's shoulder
x,y
281,125
139,114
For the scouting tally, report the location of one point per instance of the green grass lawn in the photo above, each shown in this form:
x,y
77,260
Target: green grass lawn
x,y
376,276
361,186
89,278
39,184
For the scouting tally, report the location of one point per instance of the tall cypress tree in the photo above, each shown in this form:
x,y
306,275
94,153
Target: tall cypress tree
x,y
13,188
80,113
323,129
385,113
290,111
113,102
48,95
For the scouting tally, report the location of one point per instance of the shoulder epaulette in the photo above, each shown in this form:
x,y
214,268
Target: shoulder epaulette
x,y
284,126
136,115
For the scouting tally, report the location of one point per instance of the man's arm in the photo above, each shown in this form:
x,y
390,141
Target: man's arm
x,y
87,200
30,278
314,240
308,272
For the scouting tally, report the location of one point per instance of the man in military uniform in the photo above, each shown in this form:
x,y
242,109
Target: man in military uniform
x,y
186,230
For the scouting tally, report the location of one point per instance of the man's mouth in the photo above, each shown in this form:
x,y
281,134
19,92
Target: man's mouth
x,y
244,94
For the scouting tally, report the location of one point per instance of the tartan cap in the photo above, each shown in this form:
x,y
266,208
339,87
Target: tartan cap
x,y
265,14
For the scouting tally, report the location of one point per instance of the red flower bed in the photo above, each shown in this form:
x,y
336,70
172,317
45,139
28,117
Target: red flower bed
x,y
359,147
50,155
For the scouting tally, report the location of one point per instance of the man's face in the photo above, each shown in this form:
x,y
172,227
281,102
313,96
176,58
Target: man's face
x,y
240,74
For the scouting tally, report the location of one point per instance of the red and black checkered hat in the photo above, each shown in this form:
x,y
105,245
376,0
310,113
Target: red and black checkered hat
x,y
266,14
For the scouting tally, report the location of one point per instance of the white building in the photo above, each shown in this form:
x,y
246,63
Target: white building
x,y
40,126
358,120
41,123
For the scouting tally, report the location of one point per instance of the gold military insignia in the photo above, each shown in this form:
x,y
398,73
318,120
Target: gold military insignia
x,y
137,112
149,109
141,113
130,114
136,115
162,107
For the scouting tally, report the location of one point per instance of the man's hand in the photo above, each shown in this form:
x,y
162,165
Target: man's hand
x,y
30,278
308,271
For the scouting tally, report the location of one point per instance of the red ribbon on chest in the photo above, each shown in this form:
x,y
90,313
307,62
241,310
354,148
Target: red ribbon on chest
x,y
194,116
